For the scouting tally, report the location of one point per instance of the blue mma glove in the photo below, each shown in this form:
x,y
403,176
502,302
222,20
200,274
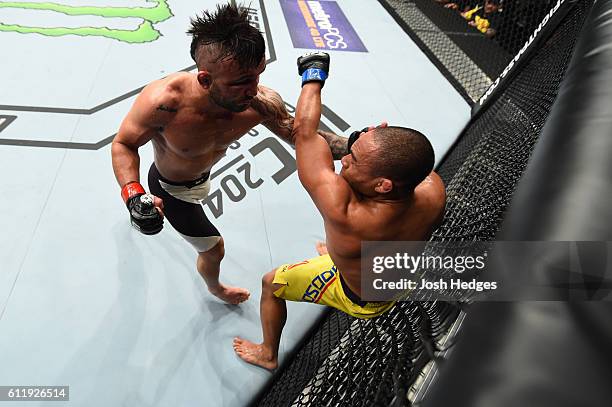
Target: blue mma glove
x,y
313,66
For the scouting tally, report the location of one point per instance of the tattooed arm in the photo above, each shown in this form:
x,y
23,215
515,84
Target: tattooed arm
x,y
275,116
271,106
337,144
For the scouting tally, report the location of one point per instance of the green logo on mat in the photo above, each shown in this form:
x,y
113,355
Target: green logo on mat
x,y
145,32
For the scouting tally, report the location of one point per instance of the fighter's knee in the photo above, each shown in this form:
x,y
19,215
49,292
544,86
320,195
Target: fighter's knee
x,y
217,251
268,279
220,247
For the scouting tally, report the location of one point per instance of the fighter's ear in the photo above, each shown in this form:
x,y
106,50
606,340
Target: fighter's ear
x,y
384,186
204,79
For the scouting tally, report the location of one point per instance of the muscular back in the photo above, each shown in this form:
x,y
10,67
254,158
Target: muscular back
x,y
369,220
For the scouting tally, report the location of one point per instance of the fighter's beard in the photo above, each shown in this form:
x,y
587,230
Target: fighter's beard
x,y
226,104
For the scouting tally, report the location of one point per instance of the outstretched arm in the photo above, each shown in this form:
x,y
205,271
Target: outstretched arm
x,y
330,192
272,107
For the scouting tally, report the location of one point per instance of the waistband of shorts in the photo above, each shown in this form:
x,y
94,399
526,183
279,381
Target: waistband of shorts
x,y
188,184
350,294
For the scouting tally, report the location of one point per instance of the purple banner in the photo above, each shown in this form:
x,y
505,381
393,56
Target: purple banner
x,y
320,25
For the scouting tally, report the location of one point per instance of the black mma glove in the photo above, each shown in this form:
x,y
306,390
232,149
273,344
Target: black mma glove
x,y
313,66
144,216
353,138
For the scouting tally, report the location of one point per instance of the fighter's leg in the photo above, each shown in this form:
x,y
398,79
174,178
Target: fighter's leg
x,y
185,214
208,265
273,314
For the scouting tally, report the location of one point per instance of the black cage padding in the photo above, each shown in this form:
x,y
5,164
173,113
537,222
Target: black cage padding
x,y
553,353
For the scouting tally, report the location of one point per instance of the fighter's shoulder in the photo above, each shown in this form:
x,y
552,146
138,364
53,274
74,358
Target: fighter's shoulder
x,y
347,206
166,94
432,193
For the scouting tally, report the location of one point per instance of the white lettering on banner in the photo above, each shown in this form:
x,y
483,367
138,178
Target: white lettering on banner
x,y
532,37
332,37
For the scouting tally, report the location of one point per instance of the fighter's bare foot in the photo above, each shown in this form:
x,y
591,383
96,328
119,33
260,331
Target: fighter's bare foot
x,y
321,248
231,295
254,354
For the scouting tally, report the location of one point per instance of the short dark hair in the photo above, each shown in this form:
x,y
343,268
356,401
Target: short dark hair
x,y
404,155
229,30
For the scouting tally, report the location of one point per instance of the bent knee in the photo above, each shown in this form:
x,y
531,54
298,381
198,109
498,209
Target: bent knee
x,y
267,279
217,251
268,285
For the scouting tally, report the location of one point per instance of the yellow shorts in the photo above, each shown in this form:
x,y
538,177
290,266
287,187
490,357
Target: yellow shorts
x,y
317,280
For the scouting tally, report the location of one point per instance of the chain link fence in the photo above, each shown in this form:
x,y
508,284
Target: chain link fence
x,y
470,41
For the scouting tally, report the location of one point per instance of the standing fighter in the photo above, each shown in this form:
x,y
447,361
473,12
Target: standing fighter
x,y
191,120
386,190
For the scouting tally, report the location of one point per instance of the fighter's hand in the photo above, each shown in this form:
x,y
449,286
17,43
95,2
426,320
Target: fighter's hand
x,y
380,126
313,66
159,204
355,135
145,209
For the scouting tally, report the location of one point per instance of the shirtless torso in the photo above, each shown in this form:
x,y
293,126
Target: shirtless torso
x,y
191,119
386,191
189,135
352,204
370,220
